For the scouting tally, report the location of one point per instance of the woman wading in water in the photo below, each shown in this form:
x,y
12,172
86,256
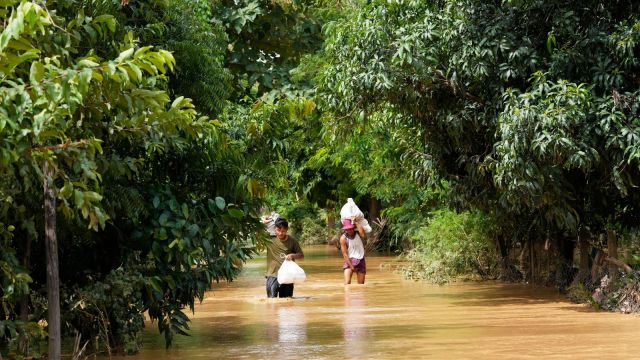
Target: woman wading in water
x,y
353,251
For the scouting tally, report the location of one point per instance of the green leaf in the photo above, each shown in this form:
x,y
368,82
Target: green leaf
x,y
141,51
92,196
173,204
136,71
156,284
236,213
67,190
220,203
185,211
84,78
164,218
78,198
37,72
108,20
87,63
124,55
551,42
177,102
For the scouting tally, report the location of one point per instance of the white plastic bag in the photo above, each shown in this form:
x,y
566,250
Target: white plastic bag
x,y
351,211
291,273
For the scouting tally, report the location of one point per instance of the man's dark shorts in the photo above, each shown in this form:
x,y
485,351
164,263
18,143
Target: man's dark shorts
x,y
274,289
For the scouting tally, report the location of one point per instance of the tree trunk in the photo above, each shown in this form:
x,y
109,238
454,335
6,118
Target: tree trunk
x,y
584,254
564,262
374,209
532,261
568,246
501,249
522,261
23,342
53,278
612,247
597,263
331,224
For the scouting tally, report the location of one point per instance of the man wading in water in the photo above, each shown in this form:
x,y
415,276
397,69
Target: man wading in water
x,y
352,251
283,246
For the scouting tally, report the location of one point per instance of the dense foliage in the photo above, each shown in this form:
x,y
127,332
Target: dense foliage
x,y
527,108
152,211
480,133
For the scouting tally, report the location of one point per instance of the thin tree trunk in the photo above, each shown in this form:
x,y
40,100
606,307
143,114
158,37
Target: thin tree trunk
x,y
53,278
331,224
374,209
612,246
532,261
503,252
584,254
23,342
597,263
522,266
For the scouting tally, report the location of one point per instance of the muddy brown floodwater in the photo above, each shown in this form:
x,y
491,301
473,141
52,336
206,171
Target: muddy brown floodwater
x,y
392,318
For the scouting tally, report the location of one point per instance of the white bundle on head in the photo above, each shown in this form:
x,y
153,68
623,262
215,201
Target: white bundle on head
x,y
351,211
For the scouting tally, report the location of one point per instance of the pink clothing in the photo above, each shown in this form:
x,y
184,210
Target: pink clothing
x,y
359,265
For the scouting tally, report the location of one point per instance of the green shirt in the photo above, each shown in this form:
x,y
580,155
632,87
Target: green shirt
x,y
277,250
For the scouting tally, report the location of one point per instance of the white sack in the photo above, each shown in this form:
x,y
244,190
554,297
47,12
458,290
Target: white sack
x,y
365,225
351,211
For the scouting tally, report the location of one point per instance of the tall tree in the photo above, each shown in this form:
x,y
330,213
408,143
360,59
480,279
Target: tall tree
x,y
503,101
126,165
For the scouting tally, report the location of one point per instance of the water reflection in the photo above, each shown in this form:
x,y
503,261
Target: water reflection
x,y
292,325
353,323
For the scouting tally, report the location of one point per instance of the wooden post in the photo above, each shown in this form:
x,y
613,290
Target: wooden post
x,y
612,247
53,275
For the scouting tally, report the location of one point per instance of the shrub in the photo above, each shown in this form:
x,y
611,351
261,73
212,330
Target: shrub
x,y
453,245
313,232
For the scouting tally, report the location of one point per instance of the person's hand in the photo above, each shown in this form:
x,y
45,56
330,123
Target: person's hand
x,y
290,257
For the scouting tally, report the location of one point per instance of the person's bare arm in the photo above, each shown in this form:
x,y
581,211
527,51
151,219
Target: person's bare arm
x,y
295,256
360,230
345,255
